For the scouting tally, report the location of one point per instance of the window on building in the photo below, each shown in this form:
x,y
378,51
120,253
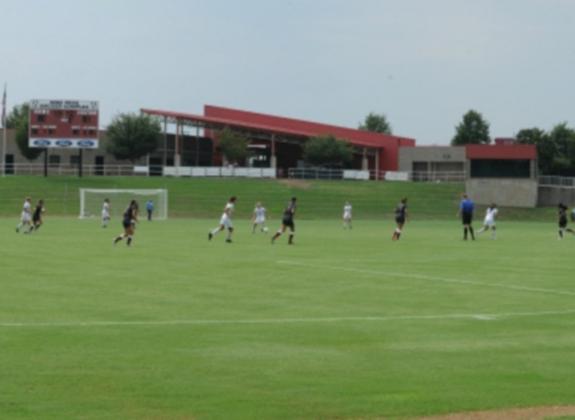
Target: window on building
x,y
500,168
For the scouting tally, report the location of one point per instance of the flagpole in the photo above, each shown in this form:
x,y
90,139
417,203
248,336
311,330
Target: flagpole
x,y
4,132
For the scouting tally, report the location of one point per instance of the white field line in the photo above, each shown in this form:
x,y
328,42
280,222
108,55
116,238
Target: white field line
x,y
200,322
429,278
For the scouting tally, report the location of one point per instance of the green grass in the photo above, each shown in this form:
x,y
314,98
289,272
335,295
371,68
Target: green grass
x,y
202,197
345,324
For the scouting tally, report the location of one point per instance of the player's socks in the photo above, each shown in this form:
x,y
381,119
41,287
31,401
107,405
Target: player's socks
x,y
290,239
464,233
472,233
129,241
118,239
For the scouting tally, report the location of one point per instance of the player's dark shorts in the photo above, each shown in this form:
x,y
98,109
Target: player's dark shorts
x,y
289,223
127,223
400,220
36,220
563,222
466,218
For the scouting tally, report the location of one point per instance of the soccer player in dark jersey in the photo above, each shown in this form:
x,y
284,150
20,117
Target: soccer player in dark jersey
x,y
466,208
37,216
287,221
129,220
563,220
400,218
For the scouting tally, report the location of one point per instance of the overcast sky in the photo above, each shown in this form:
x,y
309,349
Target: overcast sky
x,y
423,63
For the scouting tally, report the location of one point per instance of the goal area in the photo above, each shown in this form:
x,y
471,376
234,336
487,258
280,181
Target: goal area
x,y
92,200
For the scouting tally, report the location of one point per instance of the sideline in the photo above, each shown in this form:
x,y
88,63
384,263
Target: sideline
x,y
200,322
429,278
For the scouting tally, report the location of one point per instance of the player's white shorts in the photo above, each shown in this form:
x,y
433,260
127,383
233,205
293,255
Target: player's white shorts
x,y
347,216
26,217
489,222
226,221
260,220
105,215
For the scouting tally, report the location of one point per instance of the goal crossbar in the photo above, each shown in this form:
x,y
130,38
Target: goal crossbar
x,y
91,201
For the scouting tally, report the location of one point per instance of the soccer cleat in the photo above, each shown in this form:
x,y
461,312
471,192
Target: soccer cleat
x,y
229,241
210,236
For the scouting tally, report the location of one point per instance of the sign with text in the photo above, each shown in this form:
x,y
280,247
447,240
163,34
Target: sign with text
x,y
66,124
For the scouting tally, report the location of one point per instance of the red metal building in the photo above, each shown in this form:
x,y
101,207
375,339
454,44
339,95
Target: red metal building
x,y
285,136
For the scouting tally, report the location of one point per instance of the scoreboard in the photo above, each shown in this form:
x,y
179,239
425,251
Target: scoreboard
x,y
65,124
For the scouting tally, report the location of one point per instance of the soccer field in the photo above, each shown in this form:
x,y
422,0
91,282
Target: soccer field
x,y
345,324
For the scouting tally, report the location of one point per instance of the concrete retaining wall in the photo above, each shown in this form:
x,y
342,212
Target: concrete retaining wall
x,y
503,191
550,196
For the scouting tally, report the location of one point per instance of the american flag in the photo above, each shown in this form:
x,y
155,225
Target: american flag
x,y
4,108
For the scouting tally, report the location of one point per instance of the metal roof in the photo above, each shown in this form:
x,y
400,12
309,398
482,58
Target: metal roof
x,y
291,127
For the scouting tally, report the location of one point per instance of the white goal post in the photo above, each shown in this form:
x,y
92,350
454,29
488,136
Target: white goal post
x,y
92,200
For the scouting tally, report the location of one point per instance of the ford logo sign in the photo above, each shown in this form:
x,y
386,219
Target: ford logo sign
x,y
63,143
86,143
41,143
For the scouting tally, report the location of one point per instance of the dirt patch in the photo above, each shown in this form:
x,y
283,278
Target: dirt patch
x,y
530,413
296,183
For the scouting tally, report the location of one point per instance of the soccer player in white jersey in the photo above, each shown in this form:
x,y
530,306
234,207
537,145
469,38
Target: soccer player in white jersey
x,y
259,218
489,221
105,213
26,215
347,215
225,221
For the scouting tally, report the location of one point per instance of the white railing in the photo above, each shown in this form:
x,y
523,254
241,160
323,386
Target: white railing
x,y
229,171
556,181
217,171
72,169
329,174
447,176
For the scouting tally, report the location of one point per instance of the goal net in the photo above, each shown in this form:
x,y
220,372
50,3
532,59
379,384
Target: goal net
x,y
92,200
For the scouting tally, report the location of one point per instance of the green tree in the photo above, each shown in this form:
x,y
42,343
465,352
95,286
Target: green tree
x,y
17,120
131,136
546,149
327,151
234,146
563,138
376,123
18,114
473,129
